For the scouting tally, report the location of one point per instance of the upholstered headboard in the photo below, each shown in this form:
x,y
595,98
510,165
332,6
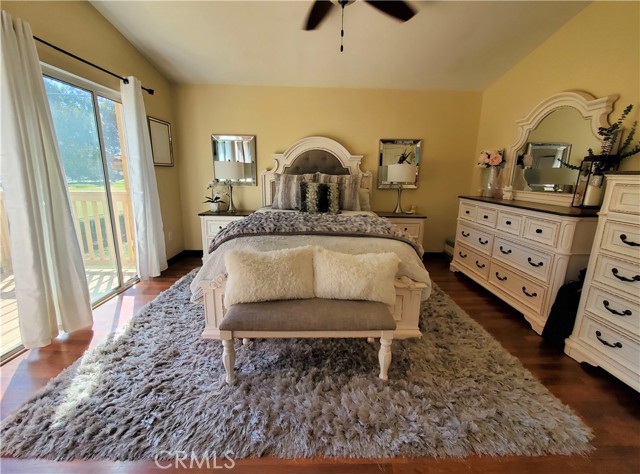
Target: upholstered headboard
x,y
313,155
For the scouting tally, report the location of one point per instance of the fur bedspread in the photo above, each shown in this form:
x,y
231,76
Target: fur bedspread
x,y
297,223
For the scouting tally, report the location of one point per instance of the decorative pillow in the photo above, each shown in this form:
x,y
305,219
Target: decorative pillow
x,y
365,199
264,276
318,197
347,185
368,276
287,190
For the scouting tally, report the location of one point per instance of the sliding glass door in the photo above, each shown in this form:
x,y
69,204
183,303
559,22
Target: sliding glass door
x,y
89,131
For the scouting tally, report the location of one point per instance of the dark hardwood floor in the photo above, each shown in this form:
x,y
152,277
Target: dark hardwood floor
x,y
609,407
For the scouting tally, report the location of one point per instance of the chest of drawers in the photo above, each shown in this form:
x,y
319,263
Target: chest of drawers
x,y
213,222
521,254
607,328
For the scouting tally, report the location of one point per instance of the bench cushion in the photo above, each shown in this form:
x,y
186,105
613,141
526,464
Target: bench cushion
x,y
314,314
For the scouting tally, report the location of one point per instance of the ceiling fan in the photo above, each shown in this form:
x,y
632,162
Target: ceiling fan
x,y
320,8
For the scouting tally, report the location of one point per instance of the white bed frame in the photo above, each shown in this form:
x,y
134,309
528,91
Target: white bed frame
x,y
408,292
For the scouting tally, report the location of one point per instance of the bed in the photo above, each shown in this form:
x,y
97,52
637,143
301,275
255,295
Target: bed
x,y
311,156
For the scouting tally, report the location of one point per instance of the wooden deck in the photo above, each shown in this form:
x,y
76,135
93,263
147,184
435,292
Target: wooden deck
x,y
101,282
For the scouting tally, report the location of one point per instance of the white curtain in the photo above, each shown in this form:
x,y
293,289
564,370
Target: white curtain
x,y
150,246
51,286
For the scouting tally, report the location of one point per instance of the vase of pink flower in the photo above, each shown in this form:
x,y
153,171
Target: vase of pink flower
x,y
491,161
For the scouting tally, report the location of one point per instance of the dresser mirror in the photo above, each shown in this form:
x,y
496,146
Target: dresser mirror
x,y
557,135
399,162
238,152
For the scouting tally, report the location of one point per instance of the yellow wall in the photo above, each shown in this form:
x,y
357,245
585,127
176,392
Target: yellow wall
x,y
598,52
357,118
80,29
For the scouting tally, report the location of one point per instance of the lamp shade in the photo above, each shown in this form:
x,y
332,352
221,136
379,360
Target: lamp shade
x,y
226,170
401,173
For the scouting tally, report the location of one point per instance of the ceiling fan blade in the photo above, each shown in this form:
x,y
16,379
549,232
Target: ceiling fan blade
x,y
397,9
317,13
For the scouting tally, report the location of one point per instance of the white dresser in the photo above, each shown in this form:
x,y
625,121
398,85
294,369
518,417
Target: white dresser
x,y
213,222
522,252
607,328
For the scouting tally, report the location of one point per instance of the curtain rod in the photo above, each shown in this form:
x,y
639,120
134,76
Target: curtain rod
x,y
124,79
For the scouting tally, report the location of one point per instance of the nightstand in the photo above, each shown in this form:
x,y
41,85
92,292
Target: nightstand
x,y
413,224
213,222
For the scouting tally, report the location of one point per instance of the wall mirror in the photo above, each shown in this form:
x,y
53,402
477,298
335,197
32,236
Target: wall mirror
x,y
399,162
234,159
549,168
557,134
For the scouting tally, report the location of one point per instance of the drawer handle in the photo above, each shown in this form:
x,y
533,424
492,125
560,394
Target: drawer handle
x,y
530,295
406,229
533,264
485,216
462,255
624,278
623,237
508,222
465,234
480,265
500,278
466,212
506,252
538,231
481,242
626,312
617,345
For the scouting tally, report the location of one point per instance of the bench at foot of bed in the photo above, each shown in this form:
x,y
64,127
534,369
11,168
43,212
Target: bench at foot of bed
x,y
310,318
405,313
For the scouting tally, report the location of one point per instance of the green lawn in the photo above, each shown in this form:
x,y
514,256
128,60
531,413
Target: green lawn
x,y
115,186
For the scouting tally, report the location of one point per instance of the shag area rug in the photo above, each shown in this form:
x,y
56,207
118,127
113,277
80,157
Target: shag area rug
x,y
156,388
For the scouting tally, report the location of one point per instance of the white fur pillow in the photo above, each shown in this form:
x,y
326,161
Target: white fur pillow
x,y
368,276
264,276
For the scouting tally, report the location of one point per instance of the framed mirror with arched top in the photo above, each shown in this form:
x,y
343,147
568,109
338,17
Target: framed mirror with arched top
x,y
556,136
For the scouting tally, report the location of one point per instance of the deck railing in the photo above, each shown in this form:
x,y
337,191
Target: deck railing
x,y
92,229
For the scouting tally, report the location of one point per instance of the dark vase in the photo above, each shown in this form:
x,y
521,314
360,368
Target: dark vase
x,y
590,185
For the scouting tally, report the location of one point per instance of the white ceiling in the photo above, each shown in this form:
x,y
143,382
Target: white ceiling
x,y
448,45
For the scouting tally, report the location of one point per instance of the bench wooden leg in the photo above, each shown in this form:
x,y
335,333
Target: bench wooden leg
x,y
384,356
229,358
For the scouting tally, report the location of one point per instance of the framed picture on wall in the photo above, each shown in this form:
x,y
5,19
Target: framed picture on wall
x,y
161,147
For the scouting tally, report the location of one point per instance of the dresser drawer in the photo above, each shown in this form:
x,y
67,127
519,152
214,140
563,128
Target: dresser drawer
x,y
467,211
535,263
508,222
621,312
473,237
475,261
621,238
619,274
213,226
411,228
524,290
486,216
611,343
541,230
625,198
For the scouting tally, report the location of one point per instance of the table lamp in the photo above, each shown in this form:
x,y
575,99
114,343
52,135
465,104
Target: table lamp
x,y
399,174
229,171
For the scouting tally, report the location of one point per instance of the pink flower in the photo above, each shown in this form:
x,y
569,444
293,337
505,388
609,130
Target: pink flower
x,y
495,159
